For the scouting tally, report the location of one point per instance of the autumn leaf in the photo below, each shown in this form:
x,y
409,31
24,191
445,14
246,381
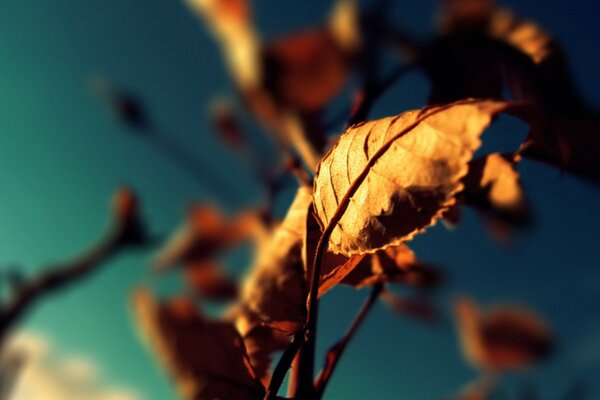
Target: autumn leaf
x,y
335,267
209,281
231,23
275,288
204,234
261,341
569,143
502,338
387,180
393,264
397,264
206,359
493,187
417,307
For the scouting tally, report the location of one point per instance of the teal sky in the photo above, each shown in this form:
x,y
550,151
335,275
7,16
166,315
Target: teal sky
x,y
61,157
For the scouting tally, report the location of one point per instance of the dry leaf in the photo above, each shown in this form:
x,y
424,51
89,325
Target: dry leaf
x,y
261,341
306,70
569,143
275,288
394,264
390,179
210,282
418,307
335,267
203,235
231,23
501,338
493,186
207,359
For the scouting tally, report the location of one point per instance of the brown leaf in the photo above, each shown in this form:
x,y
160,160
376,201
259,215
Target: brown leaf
x,y
389,179
204,234
464,14
210,282
501,338
492,185
275,288
206,359
261,341
305,70
418,307
335,267
394,264
569,143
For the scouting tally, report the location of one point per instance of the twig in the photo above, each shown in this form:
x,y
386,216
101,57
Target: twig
x,y
283,365
372,92
121,234
335,352
193,165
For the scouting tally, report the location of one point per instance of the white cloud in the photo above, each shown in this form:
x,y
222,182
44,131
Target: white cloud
x,y
47,375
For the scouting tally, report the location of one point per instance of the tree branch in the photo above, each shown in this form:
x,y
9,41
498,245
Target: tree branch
x,y
125,231
335,352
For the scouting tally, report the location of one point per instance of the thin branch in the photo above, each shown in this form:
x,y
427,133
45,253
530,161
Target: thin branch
x,y
336,351
193,165
123,233
372,92
283,365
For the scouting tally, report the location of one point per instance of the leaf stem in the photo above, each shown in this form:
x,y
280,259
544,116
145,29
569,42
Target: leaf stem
x,y
283,365
371,93
335,352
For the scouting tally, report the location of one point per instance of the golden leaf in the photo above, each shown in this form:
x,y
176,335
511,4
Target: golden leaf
x,y
387,180
492,185
275,288
207,359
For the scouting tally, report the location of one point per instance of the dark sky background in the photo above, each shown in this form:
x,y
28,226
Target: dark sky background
x,y
62,155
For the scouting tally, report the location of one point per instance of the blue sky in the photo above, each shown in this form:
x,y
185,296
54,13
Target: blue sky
x,y
61,156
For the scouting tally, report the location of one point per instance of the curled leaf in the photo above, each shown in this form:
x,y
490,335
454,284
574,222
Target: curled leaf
x,y
501,338
206,359
275,288
387,180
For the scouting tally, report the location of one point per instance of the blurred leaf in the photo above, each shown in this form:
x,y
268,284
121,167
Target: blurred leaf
x,y
204,234
275,288
210,282
502,338
417,307
206,359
